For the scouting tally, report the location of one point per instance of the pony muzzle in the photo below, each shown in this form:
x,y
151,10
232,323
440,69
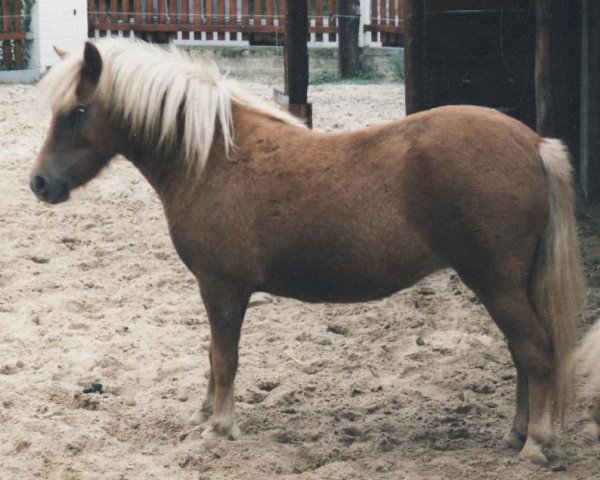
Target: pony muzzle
x,y
48,189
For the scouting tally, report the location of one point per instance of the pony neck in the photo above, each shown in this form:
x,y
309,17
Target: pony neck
x,y
171,176
166,171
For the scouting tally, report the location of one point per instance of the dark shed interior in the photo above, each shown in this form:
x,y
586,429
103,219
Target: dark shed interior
x,y
536,60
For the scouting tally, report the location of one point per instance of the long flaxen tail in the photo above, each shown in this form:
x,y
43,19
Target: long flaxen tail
x,y
558,277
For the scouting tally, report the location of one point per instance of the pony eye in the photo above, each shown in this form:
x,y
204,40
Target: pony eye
x,y
79,113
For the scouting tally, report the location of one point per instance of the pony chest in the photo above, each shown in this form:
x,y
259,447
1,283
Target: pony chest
x,y
218,246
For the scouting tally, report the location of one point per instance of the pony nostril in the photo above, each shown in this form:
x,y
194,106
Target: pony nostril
x,y
38,184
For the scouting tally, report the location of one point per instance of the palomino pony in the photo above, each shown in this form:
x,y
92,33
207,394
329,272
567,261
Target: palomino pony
x,y
588,360
257,202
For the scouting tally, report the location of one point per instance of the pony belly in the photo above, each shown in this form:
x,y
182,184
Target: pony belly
x,y
318,291
322,281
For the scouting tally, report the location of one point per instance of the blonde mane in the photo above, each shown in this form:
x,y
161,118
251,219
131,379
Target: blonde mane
x,y
152,90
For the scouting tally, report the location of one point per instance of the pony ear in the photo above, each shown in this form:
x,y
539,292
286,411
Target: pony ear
x,y
90,72
60,52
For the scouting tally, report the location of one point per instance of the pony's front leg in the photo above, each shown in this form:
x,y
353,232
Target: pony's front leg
x,y
206,410
225,305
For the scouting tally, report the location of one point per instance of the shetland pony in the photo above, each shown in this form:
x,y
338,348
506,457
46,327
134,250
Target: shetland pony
x,y
256,202
588,361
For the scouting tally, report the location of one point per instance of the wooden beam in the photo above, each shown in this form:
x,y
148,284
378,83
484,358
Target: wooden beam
x,y
296,51
414,56
12,36
590,103
557,70
348,30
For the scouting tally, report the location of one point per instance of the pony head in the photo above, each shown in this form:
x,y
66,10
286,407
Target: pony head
x,y
80,142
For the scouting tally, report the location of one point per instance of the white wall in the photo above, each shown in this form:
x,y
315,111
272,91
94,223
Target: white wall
x,y
57,22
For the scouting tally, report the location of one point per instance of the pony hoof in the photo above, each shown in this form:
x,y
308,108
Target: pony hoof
x,y
235,432
212,432
532,452
514,440
198,418
592,430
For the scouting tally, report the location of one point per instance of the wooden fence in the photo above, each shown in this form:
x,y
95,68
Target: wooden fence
x,y
230,21
207,21
12,36
386,22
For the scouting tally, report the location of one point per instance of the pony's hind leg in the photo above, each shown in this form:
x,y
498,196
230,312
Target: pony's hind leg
x,y
531,347
540,428
209,401
225,305
516,436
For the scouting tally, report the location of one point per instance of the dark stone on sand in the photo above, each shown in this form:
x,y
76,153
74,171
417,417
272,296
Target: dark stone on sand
x,y
93,388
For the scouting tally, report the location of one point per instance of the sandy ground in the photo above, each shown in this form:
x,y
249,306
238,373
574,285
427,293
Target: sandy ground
x,y
419,385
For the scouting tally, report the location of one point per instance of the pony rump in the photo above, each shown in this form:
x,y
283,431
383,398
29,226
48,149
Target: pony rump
x,y
163,97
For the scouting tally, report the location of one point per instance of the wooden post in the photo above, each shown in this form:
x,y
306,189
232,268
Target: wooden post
x,y
114,11
414,56
137,12
296,50
557,70
18,43
296,58
590,102
348,31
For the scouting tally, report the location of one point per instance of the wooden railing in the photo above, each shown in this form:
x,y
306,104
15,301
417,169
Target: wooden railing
x,y
12,36
205,20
